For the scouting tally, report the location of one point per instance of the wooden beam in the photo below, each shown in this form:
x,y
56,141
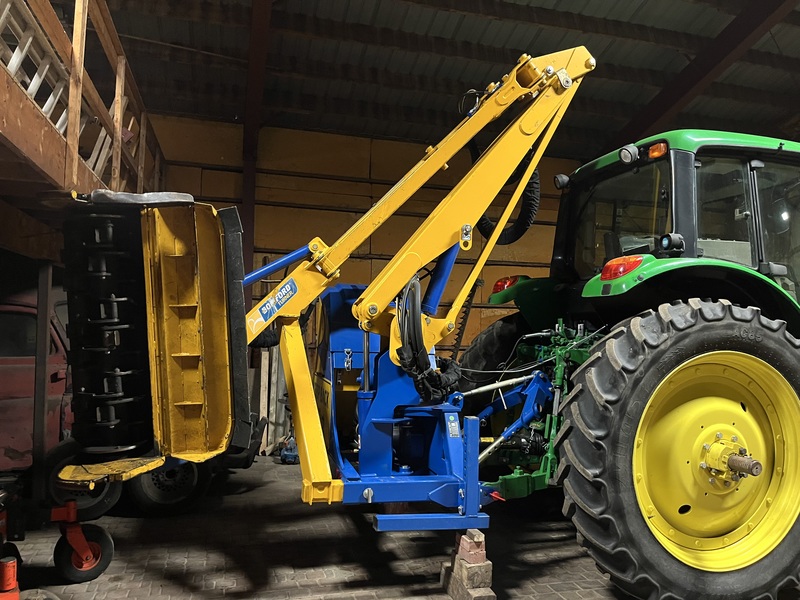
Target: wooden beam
x,y
75,93
44,13
142,153
116,137
157,173
53,29
256,78
744,31
25,235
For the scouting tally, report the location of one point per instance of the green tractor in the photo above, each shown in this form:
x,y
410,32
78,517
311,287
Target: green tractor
x,y
669,326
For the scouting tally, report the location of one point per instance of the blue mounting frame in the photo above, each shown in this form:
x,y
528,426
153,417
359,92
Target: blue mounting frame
x,y
408,452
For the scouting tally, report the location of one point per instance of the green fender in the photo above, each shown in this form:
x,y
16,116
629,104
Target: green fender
x,y
657,280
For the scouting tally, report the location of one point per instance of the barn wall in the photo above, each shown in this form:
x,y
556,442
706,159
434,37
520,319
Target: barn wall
x,y
316,184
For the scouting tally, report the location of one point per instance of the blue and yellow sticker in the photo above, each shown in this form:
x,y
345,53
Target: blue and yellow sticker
x,y
270,306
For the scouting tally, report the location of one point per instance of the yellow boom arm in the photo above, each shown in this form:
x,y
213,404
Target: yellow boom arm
x,y
545,85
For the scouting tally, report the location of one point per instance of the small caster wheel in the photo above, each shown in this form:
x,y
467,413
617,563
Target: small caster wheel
x,y
69,563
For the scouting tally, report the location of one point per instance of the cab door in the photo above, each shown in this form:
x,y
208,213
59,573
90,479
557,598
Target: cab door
x,y
17,377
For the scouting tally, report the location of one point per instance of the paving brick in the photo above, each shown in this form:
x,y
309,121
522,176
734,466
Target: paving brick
x,y
264,543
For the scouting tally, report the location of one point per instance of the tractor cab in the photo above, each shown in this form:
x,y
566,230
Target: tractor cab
x,y
678,214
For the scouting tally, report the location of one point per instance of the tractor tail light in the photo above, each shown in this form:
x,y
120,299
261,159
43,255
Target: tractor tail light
x,y
504,283
617,267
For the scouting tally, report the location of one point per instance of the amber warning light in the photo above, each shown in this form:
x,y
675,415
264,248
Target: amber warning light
x,y
617,267
657,150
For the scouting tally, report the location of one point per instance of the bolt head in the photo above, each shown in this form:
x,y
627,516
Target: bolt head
x,y
742,451
372,309
719,435
706,447
703,465
711,480
549,70
735,439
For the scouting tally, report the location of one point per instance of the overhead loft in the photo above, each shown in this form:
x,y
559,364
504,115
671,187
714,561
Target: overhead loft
x,y
57,134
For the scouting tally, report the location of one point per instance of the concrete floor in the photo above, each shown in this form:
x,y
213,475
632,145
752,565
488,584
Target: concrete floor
x,y
252,538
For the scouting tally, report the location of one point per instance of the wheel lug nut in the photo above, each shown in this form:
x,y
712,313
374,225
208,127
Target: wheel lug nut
x,y
735,439
706,447
703,465
742,451
711,480
719,435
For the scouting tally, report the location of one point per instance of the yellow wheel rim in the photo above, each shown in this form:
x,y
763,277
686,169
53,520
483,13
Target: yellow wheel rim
x,y
710,408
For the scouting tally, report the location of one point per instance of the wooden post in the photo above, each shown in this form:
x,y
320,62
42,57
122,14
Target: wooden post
x,y
43,308
157,172
116,145
75,93
142,153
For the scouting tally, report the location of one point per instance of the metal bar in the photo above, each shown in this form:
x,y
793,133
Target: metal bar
x,y
39,486
39,77
277,265
318,483
48,107
21,52
430,522
500,384
472,493
6,4
439,279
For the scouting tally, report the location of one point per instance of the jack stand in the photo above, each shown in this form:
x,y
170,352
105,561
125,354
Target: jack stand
x,y
9,589
469,574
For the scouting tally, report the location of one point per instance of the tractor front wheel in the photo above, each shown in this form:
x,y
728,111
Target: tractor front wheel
x,y
678,453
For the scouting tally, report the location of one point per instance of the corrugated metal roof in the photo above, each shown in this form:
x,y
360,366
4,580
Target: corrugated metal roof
x,y
397,68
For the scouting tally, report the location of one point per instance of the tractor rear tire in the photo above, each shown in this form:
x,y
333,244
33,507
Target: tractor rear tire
x,y
654,415
490,349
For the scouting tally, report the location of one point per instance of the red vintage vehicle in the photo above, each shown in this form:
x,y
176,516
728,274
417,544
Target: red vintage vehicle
x,y
17,367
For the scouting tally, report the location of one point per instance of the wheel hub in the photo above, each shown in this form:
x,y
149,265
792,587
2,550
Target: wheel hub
x,y
724,461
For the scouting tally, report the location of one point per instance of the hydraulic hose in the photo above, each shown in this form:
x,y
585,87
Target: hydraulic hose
x,y
529,201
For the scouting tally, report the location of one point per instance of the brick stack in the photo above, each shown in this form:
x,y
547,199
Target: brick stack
x,y
469,574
